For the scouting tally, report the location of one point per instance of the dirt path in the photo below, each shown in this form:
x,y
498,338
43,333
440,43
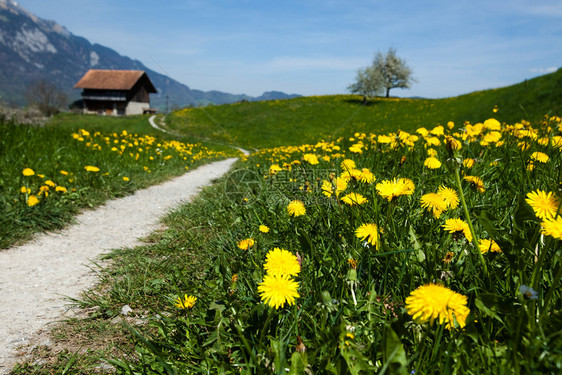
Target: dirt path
x,y
36,277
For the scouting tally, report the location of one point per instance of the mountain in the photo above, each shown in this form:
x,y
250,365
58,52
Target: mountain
x,y
32,48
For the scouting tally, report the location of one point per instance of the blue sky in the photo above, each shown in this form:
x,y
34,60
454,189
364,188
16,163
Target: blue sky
x,y
315,47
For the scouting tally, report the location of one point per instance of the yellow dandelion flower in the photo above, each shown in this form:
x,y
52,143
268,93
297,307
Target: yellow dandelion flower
x,y
524,145
435,302
391,189
448,257
24,190
552,227
354,198
366,176
348,165
50,183
125,178
545,205
431,152
456,227
311,159
281,262
28,172
327,188
422,131
434,203
91,168
368,232
32,200
489,245
468,163
264,228
61,189
276,290
432,141
64,173
474,130
341,185
491,137
44,190
432,163
544,141
438,130
296,208
452,143
351,174
492,124
186,303
274,168
245,244
352,263
475,182
450,196
385,139
541,157
356,148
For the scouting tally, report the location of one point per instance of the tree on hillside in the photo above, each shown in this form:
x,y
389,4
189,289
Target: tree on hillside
x,y
385,73
368,83
46,96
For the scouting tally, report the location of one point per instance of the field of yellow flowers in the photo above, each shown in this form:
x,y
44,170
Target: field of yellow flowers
x,y
437,250
432,251
48,174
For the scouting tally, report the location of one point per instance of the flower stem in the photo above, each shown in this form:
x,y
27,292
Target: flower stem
x,y
467,217
270,314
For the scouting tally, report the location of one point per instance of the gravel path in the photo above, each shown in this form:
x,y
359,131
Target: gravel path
x,y
36,277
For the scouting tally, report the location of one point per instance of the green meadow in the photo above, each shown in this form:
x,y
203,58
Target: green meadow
x,y
404,236
309,119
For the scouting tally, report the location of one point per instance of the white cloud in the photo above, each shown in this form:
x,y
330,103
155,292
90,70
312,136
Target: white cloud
x,y
552,69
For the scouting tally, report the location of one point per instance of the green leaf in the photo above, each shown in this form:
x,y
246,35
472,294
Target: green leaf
x,y
298,364
523,213
414,241
489,303
394,355
306,243
487,221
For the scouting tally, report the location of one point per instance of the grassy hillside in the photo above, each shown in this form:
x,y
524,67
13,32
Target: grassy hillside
x,y
307,119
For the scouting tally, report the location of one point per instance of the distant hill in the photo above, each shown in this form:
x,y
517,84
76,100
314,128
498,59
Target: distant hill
x,y
32,48
308,119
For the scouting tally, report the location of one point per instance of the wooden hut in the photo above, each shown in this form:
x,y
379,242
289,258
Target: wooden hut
x,y
116,92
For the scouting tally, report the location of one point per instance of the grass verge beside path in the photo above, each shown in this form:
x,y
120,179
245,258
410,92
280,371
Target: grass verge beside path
x,y
146,278
49,173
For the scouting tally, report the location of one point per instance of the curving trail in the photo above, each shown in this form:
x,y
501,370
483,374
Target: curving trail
x,y
36,277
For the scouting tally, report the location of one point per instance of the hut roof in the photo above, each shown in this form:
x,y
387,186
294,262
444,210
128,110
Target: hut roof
x,y
103,79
